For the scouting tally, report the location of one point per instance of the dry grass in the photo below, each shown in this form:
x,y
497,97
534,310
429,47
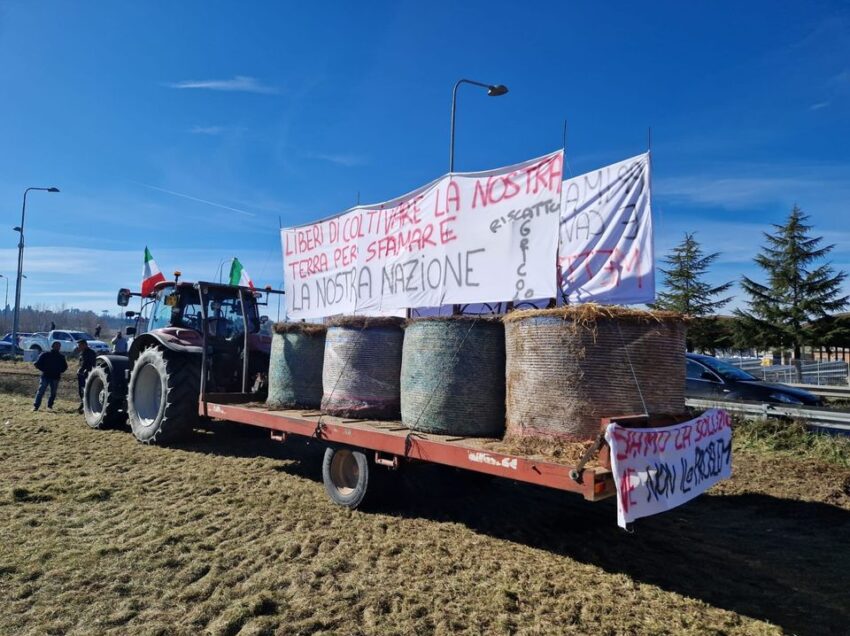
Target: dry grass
x,y
232,534
793,438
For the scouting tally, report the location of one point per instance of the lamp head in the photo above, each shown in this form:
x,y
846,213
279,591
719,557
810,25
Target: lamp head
x,y
496,90
17,228
53,189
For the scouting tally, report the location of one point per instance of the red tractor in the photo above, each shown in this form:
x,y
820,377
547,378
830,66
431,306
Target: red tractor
x,y
199,338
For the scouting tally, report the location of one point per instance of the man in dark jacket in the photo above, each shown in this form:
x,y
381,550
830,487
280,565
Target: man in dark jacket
x,y
87,359
52,365
119,344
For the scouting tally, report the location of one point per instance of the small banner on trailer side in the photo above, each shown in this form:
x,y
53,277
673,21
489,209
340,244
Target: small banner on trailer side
x,y
657,469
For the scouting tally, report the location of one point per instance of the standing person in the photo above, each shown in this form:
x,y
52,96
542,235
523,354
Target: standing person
x,y
87,359
119,344
52,365
97,331
52,325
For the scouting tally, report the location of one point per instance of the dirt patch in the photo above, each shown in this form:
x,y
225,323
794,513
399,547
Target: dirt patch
x,y
233,534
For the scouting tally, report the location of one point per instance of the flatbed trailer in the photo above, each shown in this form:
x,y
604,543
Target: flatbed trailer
x,y
354,445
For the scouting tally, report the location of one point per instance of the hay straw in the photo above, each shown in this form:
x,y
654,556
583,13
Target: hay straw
x,y
363,322
555,450
483,318
306,328
295,367
588,313
564,374
453,377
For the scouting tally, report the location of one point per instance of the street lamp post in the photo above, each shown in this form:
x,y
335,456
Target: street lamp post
x,y
20,230
493,90
5,302
221,266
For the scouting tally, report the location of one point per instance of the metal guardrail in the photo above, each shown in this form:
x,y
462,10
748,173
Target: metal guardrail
x,y
834,372
833,421
825,390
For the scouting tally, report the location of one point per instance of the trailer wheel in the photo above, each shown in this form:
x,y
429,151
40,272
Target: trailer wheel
x,y
345,473
102,400
162,399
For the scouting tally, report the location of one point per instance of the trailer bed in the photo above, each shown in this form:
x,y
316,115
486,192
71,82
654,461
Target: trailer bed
x,y
392,442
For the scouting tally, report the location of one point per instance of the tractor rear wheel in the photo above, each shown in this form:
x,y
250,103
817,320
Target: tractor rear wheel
x,y
103,401
162,399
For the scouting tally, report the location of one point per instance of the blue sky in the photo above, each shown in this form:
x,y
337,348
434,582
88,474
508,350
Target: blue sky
x,y
192,127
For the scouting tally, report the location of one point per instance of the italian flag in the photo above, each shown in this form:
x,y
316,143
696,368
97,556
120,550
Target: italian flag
x,y
238,275
150,274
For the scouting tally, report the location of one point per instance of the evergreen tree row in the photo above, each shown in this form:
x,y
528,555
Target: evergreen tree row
x,y
793,307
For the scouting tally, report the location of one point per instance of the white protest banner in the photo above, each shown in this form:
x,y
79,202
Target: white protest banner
x,y
606,251
464,238
656,469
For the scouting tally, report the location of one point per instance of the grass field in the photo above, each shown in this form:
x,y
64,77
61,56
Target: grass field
x,y
233,534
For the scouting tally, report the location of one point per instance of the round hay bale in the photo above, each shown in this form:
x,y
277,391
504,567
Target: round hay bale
x,y
362,366
453,376
295,365
568,367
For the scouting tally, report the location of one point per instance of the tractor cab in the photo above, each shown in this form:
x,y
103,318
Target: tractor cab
x,y
175,305
236,353
219,323
222,323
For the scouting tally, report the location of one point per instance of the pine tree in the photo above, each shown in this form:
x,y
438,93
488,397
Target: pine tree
x,y
793,307
688,293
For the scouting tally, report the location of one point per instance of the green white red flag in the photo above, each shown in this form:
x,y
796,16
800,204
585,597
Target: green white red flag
x,y
150,274
238,275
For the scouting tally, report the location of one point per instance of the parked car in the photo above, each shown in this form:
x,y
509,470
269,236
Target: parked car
x,y
7,340
8,337
66,339
710,378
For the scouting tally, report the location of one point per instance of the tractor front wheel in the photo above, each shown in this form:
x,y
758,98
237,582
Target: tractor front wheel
x,y
162,399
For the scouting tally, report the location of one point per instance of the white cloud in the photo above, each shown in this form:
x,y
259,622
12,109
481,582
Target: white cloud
x,y
89,278
76,294
191,198
340,159
239,83
815,187
842,78
729,192
206,130
819,105
68,261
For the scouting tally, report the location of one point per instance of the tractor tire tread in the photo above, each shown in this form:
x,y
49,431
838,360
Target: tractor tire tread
x,y
113,408
183,387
